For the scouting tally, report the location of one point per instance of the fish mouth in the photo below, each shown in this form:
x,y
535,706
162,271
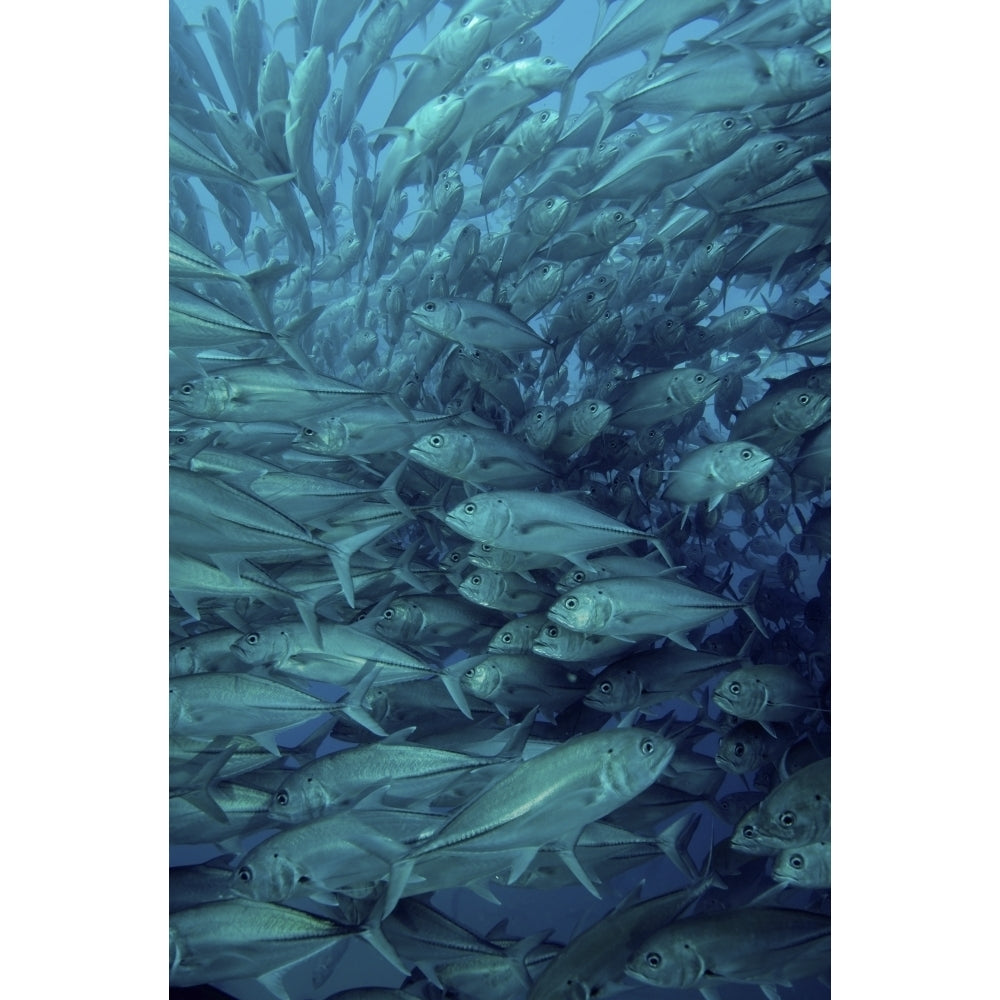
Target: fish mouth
x,y
558,616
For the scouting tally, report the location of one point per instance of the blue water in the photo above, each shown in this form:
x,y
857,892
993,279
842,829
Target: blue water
x,y
565,36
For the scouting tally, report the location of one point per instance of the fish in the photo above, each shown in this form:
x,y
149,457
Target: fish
x,y
762,945
795,813
426,257
643,607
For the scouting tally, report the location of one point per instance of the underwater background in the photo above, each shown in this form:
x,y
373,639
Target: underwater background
x,y
751,299
116,907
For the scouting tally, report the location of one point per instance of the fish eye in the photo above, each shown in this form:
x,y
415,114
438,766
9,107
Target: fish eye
x,y
281,798
570,603
749,832
734,688
709,247
466,20
820,62
455,557
591,296
549,61
606,687
470,671
233,117
544,116
443,99
647,747
552,631
653,960
746,454
729,123
252,639
539,415
244,874
787,818
739,749
579,576
804,398
387,614
550,202
435,442
507,637
699,379
429,307
619,216
796,861
779,147
187,388
475,580
470,508
592,407
485,547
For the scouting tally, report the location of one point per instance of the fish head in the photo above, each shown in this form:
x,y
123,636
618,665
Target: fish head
x,y
539,426
488,556
800,72
544,217
741,694
460,40
438,118
773,154
454,560
540,73
617,693
807,866
667,959
738,463
584,609
612,225
718,133
483,680
516,636
553,640
483,517
800,410
589,416
299,799
739,752
484,586
268,645
746,836
574,577
206,397
440,316
691,386
326,436
402,620
632,760
269,881
448,450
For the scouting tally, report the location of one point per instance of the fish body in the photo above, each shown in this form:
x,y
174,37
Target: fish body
x,y
762,945
712,472
533,522
634,607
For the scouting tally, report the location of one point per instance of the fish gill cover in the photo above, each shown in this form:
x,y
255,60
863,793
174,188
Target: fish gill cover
x,y
500,499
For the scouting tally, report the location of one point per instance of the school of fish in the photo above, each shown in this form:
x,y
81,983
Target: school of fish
x,y
500,499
